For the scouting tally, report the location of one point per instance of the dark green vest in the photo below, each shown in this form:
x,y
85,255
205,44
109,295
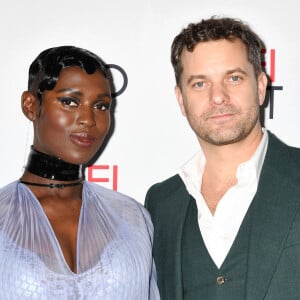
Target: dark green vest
x,y
201,277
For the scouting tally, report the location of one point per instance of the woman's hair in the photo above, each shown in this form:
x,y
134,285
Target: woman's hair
x,y
216,29
45,69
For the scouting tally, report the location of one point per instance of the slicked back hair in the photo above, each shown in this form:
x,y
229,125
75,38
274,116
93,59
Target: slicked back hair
x,y
45,69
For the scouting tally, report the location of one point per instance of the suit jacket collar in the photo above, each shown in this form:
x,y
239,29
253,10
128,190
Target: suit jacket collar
x,y
274,208
168,217
182,197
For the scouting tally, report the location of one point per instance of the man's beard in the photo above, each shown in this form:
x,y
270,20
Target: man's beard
x,y
217,134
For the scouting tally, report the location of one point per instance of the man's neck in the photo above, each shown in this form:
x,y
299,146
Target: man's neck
x,y
224,159
221,165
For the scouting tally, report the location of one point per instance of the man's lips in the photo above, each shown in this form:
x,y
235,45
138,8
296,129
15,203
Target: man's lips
x,y
82,139
221,116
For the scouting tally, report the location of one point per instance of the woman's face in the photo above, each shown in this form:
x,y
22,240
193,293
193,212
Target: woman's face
x,y
74,117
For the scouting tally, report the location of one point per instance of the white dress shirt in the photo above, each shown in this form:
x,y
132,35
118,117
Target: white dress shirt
x,y
219,230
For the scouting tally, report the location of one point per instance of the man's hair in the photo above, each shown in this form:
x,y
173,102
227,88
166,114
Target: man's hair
x,y
216,29
45,69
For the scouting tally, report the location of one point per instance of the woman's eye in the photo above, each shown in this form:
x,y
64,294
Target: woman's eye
x,y
67,101
102,106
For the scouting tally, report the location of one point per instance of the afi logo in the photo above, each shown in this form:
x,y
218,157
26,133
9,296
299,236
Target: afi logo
x,y
104,174
271,88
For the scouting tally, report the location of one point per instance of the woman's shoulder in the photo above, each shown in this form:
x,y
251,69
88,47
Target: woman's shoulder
x,y
118,201
8,189
107,194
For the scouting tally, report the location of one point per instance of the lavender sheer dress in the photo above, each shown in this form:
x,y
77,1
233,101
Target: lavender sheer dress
x,y
114,251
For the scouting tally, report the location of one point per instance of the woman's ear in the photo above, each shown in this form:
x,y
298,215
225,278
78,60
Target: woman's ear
x,y
30,105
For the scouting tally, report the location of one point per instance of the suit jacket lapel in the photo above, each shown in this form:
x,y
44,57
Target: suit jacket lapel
x,y
183,199
274,208
168,218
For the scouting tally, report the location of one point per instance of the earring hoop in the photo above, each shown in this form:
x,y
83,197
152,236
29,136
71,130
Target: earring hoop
x,y
125,79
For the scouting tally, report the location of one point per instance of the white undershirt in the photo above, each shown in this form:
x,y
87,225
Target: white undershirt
x,y
219,230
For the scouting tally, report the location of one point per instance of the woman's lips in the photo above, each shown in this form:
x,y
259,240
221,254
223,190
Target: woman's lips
x,y
82,139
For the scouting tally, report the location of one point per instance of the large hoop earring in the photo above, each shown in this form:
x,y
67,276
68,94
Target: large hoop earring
x,y
125,79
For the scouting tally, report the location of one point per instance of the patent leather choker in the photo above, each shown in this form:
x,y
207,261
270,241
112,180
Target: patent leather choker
x,y
53,168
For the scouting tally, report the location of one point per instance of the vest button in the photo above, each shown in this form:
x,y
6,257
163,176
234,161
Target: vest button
x,y
220,280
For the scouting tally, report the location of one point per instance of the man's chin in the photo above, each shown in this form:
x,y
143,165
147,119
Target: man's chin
x,y
223,139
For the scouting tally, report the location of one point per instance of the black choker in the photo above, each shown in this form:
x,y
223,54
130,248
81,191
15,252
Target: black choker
x,y
50,167
52,185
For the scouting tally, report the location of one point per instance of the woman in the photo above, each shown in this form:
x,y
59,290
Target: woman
x,y
60,236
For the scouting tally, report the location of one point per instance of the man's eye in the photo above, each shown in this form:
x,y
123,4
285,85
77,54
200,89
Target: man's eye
x,y
199,84
67,101
102,106
235,78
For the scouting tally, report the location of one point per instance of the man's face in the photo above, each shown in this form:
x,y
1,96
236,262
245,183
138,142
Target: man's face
x,y
219,93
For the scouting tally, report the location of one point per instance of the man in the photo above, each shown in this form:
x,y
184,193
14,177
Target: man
x,y
228,225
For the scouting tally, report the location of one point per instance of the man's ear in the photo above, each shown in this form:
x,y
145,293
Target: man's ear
x,y
30,105
262,82
179,97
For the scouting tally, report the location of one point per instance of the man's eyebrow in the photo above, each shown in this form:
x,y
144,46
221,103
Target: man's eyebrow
x,y
236,70
192,77
229,72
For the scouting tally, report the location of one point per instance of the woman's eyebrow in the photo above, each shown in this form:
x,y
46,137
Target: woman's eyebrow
x,y
70,90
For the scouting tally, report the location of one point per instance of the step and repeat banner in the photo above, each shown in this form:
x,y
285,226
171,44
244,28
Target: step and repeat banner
x,y
151,139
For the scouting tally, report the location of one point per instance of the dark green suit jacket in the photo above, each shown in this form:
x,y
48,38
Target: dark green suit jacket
x,y
273,269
